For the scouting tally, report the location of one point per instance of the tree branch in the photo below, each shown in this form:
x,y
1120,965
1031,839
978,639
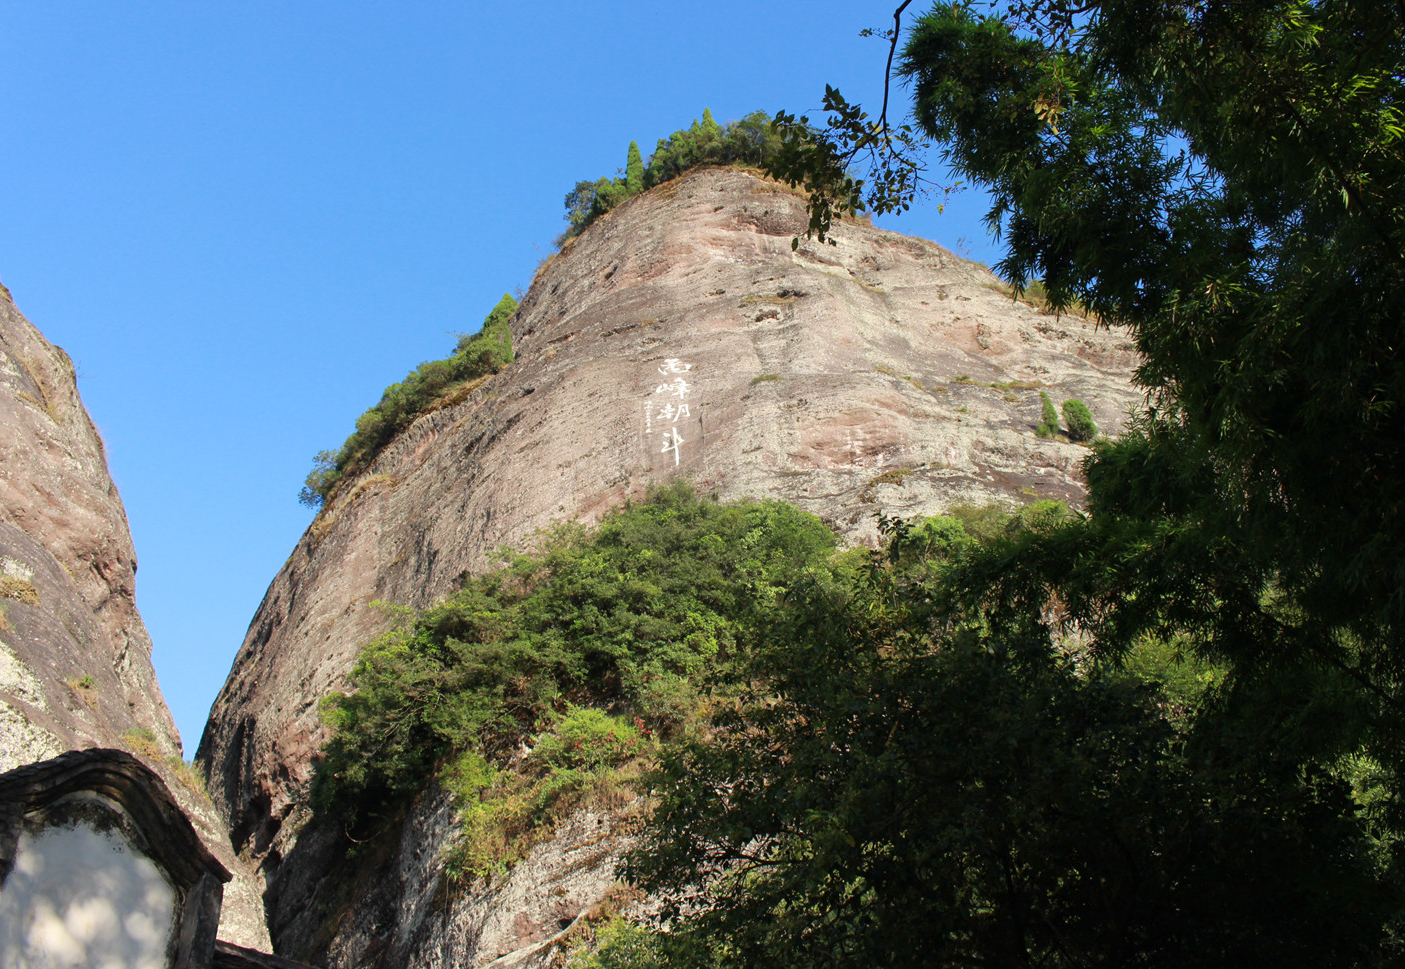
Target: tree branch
x,y
888,71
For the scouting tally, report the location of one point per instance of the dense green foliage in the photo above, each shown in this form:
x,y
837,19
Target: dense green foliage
x,y
1227,183
894,770
909,783
475,355
1048,417
634,170
631,615
1079,421
580,753
750,141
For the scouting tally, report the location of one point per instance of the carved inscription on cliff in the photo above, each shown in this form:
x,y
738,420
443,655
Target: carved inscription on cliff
x,y
667,405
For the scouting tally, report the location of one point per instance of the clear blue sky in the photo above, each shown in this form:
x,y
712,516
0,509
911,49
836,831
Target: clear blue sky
x,y
244,220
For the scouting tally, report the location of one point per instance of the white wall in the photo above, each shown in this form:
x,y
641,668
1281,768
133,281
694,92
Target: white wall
x,y
80,898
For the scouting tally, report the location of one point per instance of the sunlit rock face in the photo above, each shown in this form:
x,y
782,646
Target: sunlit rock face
x,y
83,898
75,657
67,566
679,336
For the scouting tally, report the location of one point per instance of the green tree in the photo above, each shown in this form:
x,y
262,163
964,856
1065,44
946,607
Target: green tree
x,y
495,336
319,480
634,170
1048,417
750,141
580,203
904,786
1079,421
710,129
1224,182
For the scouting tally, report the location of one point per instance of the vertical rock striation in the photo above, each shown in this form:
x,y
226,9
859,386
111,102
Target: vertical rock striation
x,y
75,657
680,335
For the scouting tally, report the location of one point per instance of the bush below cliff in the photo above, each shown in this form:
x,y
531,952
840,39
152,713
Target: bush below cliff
x,y
635,616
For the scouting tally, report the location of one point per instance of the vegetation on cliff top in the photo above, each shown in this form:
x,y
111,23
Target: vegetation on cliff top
x,y
430,384
751,141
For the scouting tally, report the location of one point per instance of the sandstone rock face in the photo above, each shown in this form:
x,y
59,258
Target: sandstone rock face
x,y
399,908
75,658
680,335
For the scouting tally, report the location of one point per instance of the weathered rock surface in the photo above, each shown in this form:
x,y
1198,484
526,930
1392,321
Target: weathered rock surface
x,y
75,657
397,907
679,336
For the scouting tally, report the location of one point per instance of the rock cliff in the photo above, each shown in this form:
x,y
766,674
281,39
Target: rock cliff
x,y
680,335
75,658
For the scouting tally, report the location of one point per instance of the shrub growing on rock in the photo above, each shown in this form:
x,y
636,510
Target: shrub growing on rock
x,y
666,588
1049,419
1079,421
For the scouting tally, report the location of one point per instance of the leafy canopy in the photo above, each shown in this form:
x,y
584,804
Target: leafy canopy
x,y
1226,182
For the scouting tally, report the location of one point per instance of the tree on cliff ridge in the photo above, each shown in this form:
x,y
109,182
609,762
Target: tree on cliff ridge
x,y
749,141
634,170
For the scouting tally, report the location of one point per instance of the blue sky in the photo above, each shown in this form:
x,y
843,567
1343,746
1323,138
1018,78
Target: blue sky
x,y
244,220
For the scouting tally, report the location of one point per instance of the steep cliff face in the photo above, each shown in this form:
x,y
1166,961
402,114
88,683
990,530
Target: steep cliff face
x,y
75,658
66,531
680,335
